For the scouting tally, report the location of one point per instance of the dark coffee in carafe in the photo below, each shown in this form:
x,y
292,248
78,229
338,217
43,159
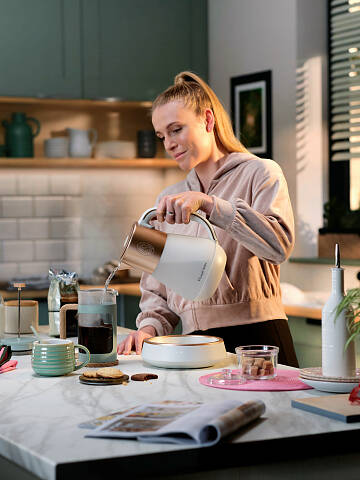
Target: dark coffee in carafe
x,y
98,339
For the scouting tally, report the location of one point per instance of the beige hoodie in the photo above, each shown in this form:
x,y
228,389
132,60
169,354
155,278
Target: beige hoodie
x,y
254,224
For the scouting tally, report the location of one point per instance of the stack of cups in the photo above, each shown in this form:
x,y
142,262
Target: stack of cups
x,y
56,147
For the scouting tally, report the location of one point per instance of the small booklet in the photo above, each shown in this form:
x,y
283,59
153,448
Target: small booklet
x,y
177,422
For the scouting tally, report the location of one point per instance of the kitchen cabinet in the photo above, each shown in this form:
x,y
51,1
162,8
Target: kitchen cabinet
x,y
40,51
129,49
134,48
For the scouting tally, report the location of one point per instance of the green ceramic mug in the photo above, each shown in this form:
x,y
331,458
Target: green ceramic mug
x,y
56,357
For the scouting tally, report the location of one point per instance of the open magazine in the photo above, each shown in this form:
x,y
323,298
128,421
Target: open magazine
x,y
178,422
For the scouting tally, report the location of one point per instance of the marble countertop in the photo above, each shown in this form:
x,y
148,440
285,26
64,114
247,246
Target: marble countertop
x,y
40,417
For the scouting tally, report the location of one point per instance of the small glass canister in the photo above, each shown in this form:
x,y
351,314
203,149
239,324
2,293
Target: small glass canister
x,y
257,362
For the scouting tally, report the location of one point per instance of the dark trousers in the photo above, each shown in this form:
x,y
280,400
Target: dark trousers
x,y
271,332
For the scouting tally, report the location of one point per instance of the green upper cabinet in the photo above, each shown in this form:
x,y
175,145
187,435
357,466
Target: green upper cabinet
x,y
99,48
40,51
133,48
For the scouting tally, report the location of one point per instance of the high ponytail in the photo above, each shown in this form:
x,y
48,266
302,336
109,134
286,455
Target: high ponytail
x,y
197,95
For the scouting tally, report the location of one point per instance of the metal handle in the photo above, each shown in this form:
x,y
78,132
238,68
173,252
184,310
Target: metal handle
x,y
149,214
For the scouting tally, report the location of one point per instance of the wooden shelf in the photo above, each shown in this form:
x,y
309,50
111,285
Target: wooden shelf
x,y
300,311
77,162
324,261
60,103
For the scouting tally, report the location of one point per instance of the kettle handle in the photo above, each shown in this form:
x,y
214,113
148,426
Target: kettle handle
x,y
37,124
150,214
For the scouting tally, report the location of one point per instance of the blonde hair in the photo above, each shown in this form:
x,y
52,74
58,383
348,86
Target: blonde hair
x,y
197,95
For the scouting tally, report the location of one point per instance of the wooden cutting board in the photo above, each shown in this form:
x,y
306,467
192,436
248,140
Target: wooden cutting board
x,y
336,407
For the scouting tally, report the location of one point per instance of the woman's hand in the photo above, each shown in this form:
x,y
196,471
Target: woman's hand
x,y
136,339
177,208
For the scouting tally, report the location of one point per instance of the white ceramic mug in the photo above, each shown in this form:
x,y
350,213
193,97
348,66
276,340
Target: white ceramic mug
x,y
81,143
29,315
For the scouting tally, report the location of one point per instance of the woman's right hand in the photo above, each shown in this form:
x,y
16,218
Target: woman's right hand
x,y
135,339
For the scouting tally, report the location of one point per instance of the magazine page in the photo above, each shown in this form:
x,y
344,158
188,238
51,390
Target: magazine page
x,y
181,422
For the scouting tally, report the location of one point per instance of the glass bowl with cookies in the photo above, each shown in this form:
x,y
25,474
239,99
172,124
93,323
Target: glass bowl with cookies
x,y
257,362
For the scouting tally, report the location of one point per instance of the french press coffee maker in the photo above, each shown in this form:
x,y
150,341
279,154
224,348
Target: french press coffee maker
x,y
97,325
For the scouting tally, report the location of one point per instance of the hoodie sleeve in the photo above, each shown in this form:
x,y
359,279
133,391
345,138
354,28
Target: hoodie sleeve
x,y
266,227
154,308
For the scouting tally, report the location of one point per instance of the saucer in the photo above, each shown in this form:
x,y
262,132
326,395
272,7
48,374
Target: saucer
x,y
331,387
315,373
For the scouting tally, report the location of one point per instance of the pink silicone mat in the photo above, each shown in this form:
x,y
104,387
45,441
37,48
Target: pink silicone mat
x,y
285,380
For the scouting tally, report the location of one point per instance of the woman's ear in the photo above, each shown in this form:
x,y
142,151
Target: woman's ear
x,y
209,119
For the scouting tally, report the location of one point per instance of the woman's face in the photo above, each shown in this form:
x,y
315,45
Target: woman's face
x,y
187,137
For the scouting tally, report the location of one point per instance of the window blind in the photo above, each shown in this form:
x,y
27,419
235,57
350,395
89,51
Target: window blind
x,y
344,58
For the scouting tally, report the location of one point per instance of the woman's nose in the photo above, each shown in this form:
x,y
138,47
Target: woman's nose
x,y
169,144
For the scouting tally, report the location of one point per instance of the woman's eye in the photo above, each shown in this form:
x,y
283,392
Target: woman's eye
x,y
177,130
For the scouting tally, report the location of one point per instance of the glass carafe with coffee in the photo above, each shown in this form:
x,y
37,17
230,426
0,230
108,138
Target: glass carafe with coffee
x,y
97,324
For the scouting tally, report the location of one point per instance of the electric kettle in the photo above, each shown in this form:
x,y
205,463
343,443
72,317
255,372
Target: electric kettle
x,y
191,266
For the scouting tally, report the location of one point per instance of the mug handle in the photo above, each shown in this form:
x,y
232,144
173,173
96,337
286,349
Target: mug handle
x,y
94,136
85,362
63,310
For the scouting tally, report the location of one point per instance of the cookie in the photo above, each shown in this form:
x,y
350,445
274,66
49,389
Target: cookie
x,y
142,377
109,372
90,374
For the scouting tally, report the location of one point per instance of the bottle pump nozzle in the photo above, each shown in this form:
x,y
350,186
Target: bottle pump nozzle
x,y
337,255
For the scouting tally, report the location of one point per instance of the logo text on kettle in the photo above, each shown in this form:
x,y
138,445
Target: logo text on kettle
x,y
145,248
202,272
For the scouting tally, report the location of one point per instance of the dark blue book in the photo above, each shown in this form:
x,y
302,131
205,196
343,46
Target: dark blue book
x,y
336,407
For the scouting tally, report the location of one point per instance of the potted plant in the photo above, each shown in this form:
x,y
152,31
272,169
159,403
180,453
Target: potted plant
x,y
351,304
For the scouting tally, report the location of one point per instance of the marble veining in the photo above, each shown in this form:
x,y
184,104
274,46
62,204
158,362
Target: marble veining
x,y
40,415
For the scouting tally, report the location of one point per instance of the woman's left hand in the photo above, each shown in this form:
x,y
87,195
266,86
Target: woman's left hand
x,y
177,208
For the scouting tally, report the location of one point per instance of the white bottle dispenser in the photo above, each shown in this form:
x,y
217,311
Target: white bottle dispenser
x,y
336,360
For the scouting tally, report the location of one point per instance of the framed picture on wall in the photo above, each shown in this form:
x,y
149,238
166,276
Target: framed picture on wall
x,y
251,112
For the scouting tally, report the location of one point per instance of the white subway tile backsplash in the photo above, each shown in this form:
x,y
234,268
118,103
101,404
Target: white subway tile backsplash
x,y
65,184
33,184
17,206
8,271
18,251
49,206
8,229
73,249
50,250
33,228
76,220
30,269
131,181
73,206
102,227
65,228
103,206
7,184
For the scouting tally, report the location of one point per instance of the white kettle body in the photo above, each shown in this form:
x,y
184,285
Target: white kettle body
x,y
191,266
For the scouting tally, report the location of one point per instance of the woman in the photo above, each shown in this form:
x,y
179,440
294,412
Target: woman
x,y
247,201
